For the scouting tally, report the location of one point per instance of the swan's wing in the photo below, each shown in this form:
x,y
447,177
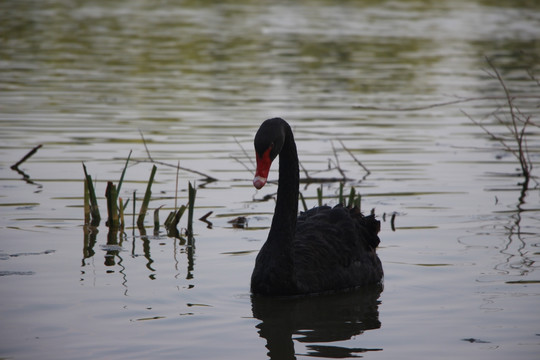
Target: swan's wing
x,y
335,248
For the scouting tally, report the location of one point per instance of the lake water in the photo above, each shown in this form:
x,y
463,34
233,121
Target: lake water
x,y
196,78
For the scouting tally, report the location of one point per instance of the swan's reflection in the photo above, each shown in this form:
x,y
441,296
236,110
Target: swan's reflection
x,y
317,319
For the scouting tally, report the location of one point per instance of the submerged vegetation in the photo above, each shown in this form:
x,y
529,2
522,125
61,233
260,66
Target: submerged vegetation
x,y
116,207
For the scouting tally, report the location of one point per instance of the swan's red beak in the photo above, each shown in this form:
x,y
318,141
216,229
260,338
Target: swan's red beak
x,y
263,167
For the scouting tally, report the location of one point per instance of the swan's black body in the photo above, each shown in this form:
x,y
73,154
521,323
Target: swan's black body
x,y
324,249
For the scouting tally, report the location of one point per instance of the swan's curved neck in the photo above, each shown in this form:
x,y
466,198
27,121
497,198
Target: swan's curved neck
x,y
286,211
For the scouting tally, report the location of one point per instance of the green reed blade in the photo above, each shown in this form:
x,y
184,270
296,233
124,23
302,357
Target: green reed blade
x,y
86,204
121,208
192,192
123,173
168,220
146,200
156,220
303,201
112,207
178,215
358,202
319,195
350,203
125,205
94,209
134,202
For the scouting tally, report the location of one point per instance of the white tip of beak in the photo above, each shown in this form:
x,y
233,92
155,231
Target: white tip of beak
x,y
259,182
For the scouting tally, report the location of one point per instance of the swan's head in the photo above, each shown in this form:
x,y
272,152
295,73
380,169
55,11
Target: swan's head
x,y
268,143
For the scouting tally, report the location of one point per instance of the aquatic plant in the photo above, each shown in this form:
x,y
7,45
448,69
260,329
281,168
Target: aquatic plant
x,y
146,199
192,193
90,202
515,121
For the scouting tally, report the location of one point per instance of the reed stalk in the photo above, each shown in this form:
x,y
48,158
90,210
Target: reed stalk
x,y
303,201
112,205
341,200
121,212
134,202
156,221
352,195
146,200
176,186
192,193
320,195
122,176
86,204
26,157
169,219
172,221
358,202
94,209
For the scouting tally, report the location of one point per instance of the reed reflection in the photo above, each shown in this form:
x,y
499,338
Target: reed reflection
x,y
317,319
116,241
517,248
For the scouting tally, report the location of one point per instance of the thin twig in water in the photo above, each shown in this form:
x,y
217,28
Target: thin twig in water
x,y
207,177
176,188
431,106
25,157
338,166
308,177
146,147
516,125
241,163
244,151
355,159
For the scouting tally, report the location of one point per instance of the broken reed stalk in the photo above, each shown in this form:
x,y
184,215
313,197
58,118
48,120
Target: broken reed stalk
x,y
192,192
86,204
174,217
146,147
340,199
112,205
179,214
355,159
25,157
207,177
338,165
320,195
134,202
393,222
123,173
121,212
204,218
94,209
244,152
176,186
156,220
146,200
352,195
303,201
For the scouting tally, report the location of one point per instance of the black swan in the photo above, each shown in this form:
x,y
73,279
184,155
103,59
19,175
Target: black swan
x,y
323,250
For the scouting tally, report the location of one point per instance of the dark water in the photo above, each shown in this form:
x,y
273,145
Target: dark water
x,y
85,79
